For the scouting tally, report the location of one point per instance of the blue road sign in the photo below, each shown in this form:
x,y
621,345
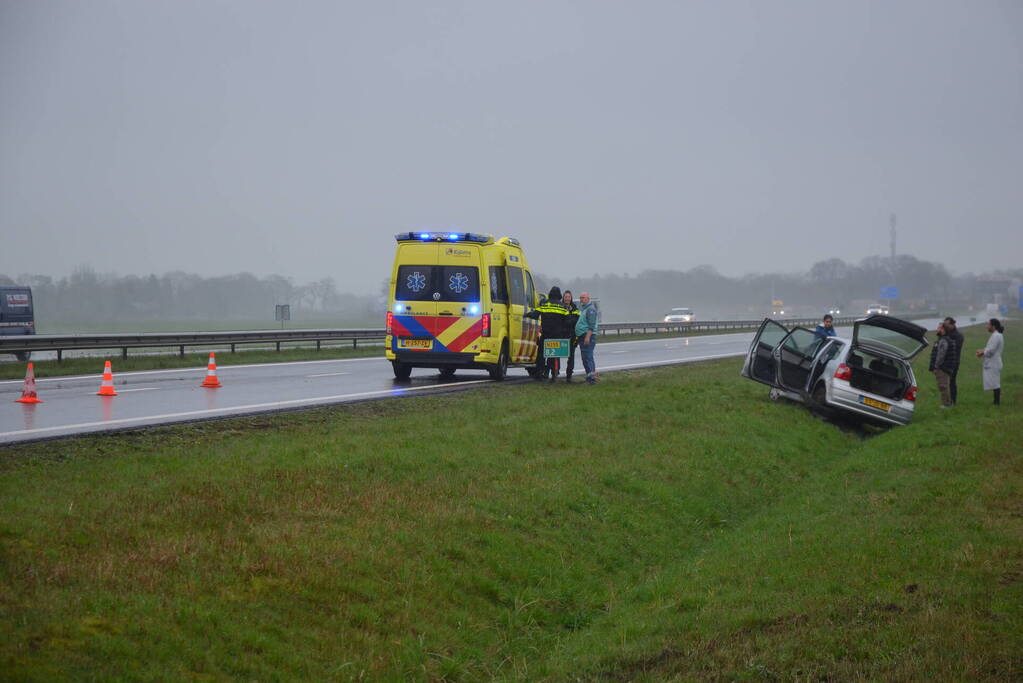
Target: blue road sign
x,y
1021,297
889,292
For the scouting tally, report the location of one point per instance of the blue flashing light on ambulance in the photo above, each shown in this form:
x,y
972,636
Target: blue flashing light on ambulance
x,y
457,300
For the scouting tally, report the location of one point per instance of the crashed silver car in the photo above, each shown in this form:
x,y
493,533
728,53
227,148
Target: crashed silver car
x,y
869,377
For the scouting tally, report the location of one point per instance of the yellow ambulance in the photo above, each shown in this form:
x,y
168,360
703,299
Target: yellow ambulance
x,y
459,300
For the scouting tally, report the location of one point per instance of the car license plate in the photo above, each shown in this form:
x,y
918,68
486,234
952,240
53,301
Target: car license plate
x,y
421,344
880,405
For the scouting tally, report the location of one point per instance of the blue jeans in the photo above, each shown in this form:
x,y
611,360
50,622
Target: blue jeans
x,y
586,352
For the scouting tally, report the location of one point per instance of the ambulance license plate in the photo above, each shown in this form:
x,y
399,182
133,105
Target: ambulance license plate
x,y
421,344
880,405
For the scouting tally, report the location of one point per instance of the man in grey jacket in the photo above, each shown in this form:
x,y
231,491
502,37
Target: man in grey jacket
x,y
586,331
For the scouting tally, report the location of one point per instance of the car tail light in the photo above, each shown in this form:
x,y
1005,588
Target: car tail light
x,y
910,394
486,324
390,321
843,372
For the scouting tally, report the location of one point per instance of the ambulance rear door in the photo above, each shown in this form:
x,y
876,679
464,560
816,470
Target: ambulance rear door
x,y
415,298
459,322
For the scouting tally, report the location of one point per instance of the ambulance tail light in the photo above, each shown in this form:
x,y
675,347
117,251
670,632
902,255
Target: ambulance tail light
x,y
390,321
486,325
910,394
843,372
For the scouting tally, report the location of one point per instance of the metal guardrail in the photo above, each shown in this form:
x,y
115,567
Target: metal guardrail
x,y
181,340
708,325
149,340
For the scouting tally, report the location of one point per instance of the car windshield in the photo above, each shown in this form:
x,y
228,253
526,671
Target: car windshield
x,y
680,311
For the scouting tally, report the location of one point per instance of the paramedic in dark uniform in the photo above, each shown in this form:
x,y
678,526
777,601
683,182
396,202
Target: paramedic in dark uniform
x,y
552,314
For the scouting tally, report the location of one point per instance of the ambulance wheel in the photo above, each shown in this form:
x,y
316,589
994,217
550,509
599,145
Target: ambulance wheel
x,y
498,372
447,373
401,371
23,355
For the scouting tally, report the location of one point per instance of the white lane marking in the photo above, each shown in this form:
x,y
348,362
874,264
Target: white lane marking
x,y
220,368
616,352
240,409
125,391
329,374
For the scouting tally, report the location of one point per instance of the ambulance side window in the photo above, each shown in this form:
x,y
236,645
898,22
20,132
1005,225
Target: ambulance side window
x,y
530,296
498,286
518,291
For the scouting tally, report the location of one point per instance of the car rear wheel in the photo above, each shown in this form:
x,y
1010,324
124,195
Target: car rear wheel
x,y
401,371
499,371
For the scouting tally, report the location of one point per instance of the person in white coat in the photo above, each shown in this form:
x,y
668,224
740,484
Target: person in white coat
x,y
992,355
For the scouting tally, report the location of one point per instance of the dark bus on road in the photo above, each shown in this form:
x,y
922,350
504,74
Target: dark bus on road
x,y
16,314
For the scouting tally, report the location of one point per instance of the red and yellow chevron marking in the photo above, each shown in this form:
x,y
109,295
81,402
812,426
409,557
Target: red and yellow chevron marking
x,y
525,345
457,335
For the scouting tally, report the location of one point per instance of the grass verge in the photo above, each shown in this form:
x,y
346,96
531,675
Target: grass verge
x,y
669,523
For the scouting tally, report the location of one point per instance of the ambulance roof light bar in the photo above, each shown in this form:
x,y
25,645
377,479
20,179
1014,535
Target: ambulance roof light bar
x,y
437,236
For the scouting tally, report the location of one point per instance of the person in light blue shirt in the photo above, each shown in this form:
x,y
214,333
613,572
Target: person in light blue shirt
x,y
826,328
586,331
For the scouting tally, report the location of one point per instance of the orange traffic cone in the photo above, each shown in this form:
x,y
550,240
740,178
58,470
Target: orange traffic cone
x,y
106,387
211,381
28,392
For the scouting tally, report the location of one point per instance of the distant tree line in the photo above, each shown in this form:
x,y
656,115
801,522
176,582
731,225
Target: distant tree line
x,y
89,296
828,284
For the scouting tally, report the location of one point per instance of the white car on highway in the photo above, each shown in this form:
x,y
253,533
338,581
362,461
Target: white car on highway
x,y
869,376
680,315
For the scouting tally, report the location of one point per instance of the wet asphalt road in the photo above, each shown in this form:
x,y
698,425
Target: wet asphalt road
x,y
160,397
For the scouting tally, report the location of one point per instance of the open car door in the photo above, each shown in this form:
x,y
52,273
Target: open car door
x,y
889,336
796,356
760,364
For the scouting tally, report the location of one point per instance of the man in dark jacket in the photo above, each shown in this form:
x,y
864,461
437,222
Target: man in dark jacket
x,y
552,314
942,360
571,318
955,337
826,328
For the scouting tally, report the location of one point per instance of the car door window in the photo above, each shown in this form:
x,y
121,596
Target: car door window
x,y
761,355
498,285
530,291
516,287
796,358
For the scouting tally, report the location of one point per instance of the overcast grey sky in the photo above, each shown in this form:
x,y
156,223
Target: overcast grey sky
x,y
297,137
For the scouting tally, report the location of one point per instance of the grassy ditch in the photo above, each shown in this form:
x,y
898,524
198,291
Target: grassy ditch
x,y
668,523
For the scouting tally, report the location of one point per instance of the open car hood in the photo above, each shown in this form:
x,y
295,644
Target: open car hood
x,y
890,336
